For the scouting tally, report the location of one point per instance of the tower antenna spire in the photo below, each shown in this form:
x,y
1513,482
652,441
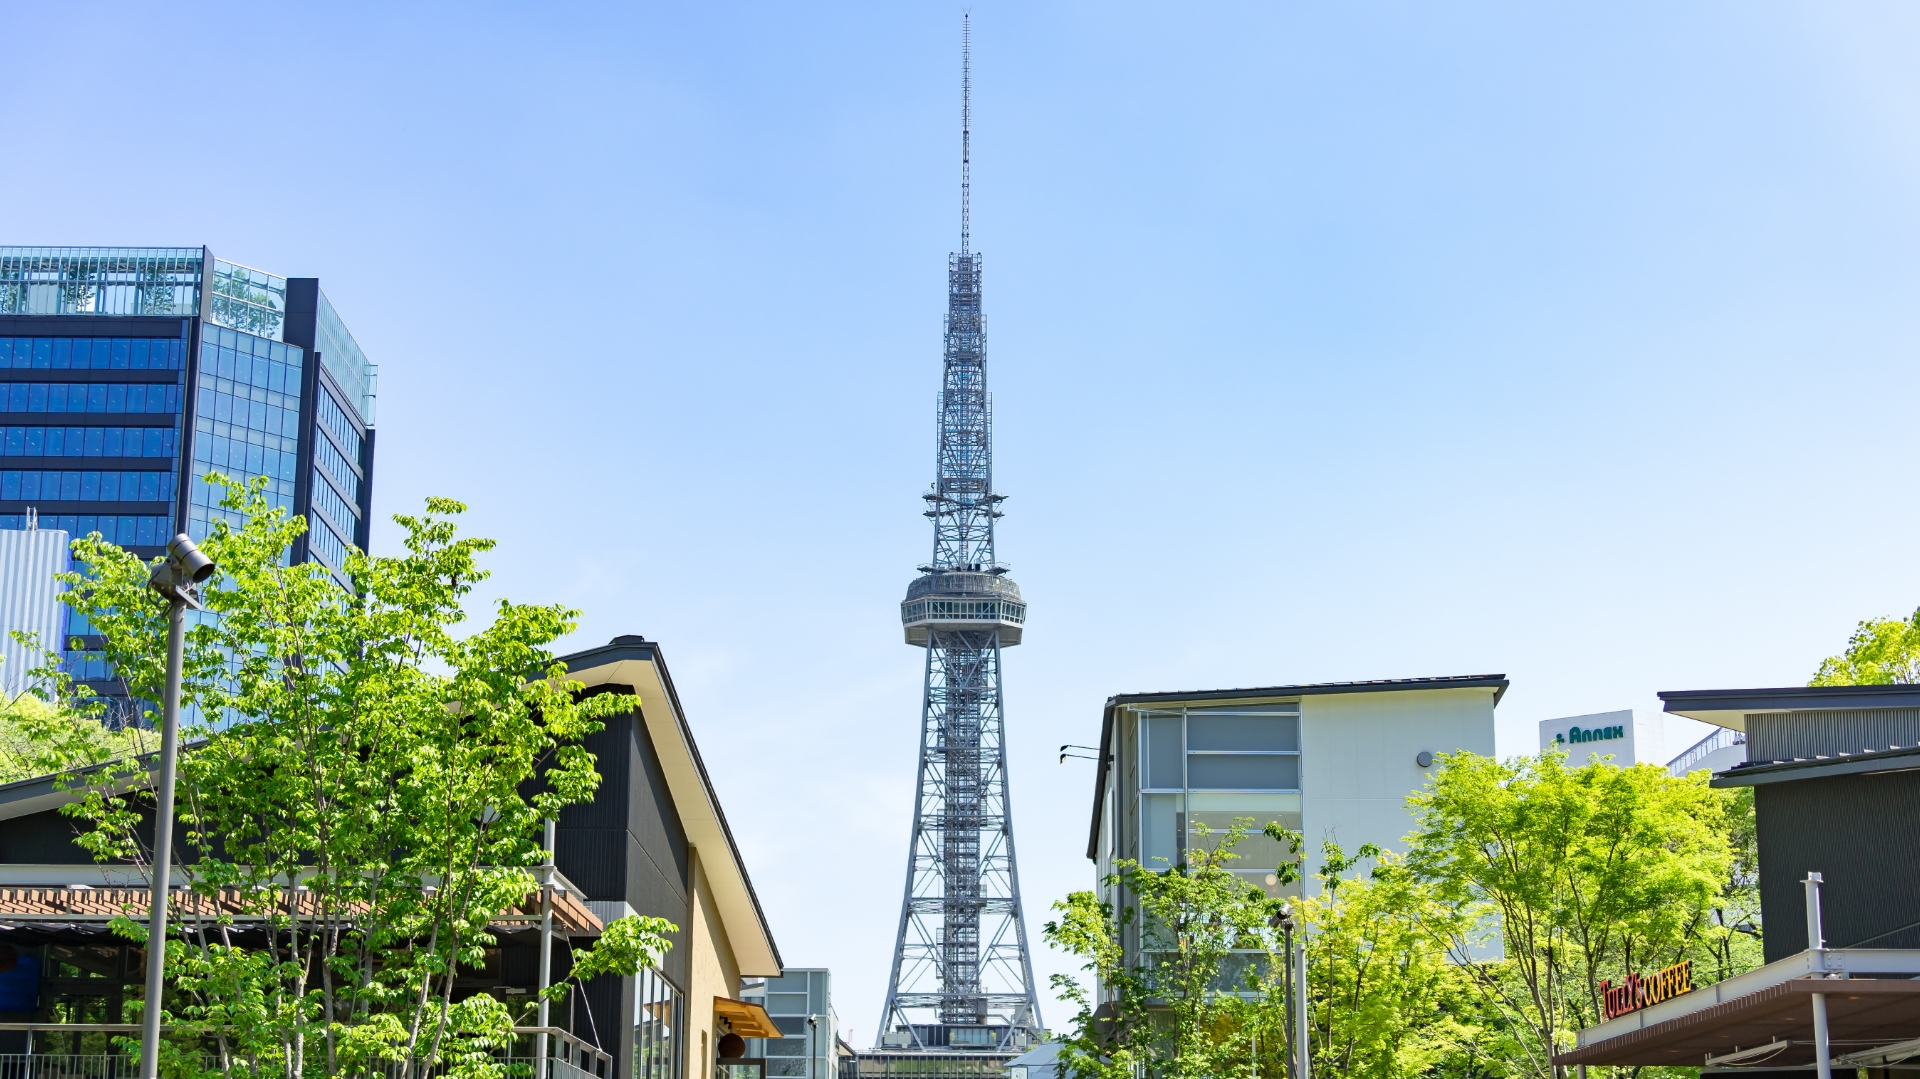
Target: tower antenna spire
x,y
966,132
962,974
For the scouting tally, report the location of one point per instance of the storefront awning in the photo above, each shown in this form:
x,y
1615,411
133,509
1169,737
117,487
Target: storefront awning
x,y
1765,1017
748,1020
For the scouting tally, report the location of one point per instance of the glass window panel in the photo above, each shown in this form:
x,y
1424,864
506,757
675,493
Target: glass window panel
x,y
109,486
97,397
89,486
16,443
96,441
82,354
9,485
29,485
1163,752
37,397
76,441
144,534
36,441
786,1003
1161,823
116,397
153,442
56,441
149,486
128,354
1243,773
62,353
6,352
110,441
137,397
1205,732
787,1047
42,352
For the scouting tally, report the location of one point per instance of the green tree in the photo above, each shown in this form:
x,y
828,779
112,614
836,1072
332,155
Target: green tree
x,y
1882,651
1206,949
1386,997
1586,874
56,724
361,787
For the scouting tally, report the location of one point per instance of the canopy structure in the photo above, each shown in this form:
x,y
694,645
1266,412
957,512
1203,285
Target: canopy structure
x,y
1765,1018
749,1020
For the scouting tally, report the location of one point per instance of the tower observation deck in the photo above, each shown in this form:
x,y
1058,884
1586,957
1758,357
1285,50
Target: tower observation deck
x,y
962,977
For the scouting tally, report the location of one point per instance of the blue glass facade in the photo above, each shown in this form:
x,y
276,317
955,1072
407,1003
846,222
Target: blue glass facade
x,y
247,420
127,374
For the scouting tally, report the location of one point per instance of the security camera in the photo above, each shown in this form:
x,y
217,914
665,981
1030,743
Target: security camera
x,y
188,560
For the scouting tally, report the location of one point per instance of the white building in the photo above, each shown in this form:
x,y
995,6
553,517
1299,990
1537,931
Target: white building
x,y
1622,735
30,600
1334,761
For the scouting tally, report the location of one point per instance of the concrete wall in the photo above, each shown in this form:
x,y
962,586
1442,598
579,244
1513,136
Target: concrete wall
x,y
1359,759
714,972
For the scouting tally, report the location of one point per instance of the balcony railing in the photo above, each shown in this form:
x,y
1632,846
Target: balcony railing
x,y
569,1057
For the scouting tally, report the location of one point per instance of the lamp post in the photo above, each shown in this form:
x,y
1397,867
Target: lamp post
x,y
1283,921
174,578
541,1067
1299,1059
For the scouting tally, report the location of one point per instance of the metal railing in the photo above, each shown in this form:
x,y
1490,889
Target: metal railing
x,y
1721,738
568,1056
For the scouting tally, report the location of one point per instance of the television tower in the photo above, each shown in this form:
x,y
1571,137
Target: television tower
x,y
962,977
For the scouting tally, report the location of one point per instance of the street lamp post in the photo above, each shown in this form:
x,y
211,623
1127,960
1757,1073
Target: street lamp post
x,y
1299,1062
174,578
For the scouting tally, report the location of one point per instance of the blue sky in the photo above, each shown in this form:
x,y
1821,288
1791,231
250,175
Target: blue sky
x,y
1328,342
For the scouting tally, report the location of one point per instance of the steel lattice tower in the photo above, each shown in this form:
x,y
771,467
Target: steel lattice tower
x,y
960,966
961,972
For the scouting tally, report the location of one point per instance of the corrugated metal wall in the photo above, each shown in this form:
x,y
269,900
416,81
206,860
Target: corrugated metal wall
x,y
1858,833
29,600
1783,736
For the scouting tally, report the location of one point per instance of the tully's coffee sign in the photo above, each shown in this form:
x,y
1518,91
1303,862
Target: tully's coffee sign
x,y
1591,734
1637,992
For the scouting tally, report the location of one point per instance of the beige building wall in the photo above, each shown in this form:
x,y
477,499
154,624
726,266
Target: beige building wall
x,y
713,971
1359,759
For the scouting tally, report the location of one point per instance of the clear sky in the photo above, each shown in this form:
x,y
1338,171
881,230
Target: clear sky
x,y
1569,341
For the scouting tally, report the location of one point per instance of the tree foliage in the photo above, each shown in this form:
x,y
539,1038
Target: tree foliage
x,y
1386,1000
1478,953
1579,875
361,786
1881,651
1178,1011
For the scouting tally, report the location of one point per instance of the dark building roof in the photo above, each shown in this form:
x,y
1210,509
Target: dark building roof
x,y
1729,707
1496,682
1755,773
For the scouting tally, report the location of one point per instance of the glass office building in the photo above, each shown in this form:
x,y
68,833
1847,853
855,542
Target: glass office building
x,y
128,373
800,1003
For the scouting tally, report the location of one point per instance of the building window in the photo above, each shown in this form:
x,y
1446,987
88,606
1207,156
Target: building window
x,y
91,354
1202,769
246,421
659,1027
